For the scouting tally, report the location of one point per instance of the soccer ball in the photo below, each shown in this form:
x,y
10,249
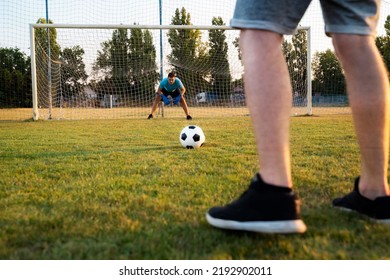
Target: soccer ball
x,y
192,137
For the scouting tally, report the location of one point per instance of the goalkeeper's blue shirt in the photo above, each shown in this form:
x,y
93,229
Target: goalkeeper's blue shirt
x,y
164,84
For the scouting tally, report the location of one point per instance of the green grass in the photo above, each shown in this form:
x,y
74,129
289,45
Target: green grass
x,y
125,189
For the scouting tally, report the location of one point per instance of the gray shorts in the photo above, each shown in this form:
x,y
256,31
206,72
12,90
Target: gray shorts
x,y
283,16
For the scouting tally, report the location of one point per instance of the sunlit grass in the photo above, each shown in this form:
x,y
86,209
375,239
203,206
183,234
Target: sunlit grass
x,y
126,189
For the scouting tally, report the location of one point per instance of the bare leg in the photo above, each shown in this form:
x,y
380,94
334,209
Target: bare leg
x,y
268,90
368,89
155,104
183,104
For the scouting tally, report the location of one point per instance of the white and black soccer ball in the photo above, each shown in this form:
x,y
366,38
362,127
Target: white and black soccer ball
x,y
192,137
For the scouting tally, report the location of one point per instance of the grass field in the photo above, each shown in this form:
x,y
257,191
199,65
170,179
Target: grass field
x,y
23,114
125,189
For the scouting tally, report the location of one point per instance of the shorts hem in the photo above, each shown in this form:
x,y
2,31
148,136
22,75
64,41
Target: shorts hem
x,y
263,25
348,29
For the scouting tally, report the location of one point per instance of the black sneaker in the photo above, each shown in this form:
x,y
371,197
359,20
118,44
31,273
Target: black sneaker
x,y
189,117
262,208
150,117
377,209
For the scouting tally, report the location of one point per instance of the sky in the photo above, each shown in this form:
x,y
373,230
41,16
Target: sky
x,y
16,15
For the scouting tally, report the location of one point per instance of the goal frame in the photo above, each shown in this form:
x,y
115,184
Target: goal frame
x,y
35,113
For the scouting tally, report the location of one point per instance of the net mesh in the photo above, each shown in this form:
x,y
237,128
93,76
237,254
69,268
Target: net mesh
x,y
117,71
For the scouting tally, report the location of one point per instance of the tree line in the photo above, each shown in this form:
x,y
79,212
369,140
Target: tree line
x,y
126,63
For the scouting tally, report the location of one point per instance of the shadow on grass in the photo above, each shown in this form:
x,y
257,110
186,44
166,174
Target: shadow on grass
x,y
83,153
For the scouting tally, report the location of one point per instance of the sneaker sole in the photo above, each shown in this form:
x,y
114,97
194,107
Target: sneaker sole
x,y
381,221
293,226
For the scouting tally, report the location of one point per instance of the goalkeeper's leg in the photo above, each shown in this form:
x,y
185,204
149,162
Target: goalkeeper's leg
x,y
183,104
176,99
154,106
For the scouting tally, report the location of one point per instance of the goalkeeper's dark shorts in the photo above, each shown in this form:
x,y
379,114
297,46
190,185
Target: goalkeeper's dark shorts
x,y
174,93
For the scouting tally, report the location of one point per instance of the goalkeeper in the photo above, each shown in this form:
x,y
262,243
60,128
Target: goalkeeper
x,y
170,86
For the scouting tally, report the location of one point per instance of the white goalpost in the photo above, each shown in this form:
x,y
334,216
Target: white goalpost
x,y
113,71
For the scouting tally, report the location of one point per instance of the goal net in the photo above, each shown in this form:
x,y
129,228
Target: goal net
x,y
113,71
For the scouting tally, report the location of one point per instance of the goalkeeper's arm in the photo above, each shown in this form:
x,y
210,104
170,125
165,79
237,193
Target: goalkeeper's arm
x,y
183,90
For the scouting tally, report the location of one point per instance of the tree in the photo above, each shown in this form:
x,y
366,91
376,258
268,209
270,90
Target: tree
x,y
142,55
328,74
42,42
295,53
236,44
15,79
73,74
127,63
218,56
238,84
111,66
383,44
188,53
45,40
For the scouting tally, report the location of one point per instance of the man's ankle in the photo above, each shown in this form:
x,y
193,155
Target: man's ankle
x,y
276,179
373,189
